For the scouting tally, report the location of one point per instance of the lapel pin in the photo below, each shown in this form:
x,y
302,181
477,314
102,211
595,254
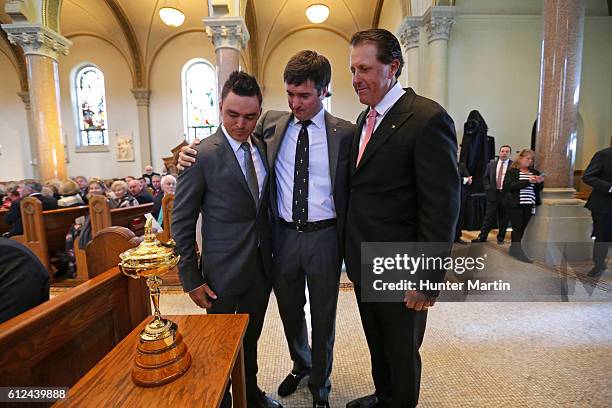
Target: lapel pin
x,y
392,126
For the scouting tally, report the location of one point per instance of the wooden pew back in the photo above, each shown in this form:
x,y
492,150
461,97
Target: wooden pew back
x,y
167,206
102,253
57,342
101,216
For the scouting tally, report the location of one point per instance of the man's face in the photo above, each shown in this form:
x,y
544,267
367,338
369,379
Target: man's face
x,y
81,182
135,187
304,100
371,78
149,169
24,190
168,185
240,114
156,181
504,153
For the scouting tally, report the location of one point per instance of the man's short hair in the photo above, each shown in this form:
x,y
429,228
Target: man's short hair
x,y
308,65
386,43
508,146
33,185
242,84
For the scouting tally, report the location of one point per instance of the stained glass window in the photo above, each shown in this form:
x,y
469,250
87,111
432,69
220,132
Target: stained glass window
x,y
91,107
200,104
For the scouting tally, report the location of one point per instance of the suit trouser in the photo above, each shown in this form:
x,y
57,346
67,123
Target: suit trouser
x,y
496,214
394,335
602,231
254,302
311,258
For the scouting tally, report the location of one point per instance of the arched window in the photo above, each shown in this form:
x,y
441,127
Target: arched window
x,y
200,101
91,107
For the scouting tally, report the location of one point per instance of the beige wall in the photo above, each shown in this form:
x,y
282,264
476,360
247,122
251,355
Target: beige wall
x,y
14,139
120,105
344,102
166,108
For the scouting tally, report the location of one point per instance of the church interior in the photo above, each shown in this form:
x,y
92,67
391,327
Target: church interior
x,y
102,94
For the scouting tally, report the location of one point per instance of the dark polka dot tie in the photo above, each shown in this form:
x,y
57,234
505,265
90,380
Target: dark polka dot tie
x,y
300,176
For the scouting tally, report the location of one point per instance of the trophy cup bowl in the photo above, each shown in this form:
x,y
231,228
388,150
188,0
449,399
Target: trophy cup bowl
x,y
161,355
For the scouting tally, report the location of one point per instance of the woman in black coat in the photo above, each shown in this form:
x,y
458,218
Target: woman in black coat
x,y
522,186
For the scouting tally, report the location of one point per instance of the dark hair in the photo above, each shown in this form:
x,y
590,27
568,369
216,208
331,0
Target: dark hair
x,y
33,185
308,65
508,146
242,84
386,43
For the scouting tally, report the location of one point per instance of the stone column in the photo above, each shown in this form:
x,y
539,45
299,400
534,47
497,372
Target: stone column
x,y
438,22
142,96
409,34
25,98
561,218
41,47
560,71
229,36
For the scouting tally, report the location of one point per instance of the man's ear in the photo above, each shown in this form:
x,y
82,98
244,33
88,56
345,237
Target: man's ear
x,y
394,66
324,93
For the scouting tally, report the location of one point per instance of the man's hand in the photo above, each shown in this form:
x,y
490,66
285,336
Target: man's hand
x,y
187,155
418,301
202,296
469,180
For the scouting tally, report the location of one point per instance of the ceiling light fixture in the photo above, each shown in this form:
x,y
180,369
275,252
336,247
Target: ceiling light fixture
x,y
317,13
171,16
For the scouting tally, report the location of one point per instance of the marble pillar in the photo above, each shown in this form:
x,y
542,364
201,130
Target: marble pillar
x,y
41,47
561,218
409,35
438,23
229,36
25,98
142,96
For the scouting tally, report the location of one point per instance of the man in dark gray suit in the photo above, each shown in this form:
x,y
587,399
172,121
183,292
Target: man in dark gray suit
x,y
308,152
493,182
228,186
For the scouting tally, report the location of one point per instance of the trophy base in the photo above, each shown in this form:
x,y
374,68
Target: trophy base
x,y
160,359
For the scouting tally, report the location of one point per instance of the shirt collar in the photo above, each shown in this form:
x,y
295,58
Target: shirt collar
x,y
233,142
318,120
389,99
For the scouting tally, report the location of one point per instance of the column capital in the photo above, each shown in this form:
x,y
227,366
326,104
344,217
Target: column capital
x,y
409,32
141,95
227,32
438,22
25,98
37,39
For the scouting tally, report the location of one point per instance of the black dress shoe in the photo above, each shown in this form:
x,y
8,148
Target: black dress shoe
x,y
596,272
369,401
259,399
290,384
479,239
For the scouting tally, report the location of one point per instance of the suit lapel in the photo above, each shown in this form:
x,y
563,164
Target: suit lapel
x,y
333,146
224,149
393,120
262,153
356,137
275,141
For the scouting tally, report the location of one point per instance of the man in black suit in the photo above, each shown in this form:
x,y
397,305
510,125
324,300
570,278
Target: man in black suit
x,y
228,186
466,180
28,188
24,281
493,183
308,204
404,187
598,175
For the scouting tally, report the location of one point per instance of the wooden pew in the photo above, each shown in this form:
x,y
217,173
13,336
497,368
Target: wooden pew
x,y
45,232
57,342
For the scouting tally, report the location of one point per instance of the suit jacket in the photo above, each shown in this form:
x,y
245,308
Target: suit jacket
x,y
272,127
13,217
513,185
233,231
406,187
598,175
489,180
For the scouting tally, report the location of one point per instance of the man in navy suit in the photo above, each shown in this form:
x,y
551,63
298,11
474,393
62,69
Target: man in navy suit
x,y
28,188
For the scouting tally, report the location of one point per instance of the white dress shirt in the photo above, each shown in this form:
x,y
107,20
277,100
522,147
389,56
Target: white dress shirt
x,y
260,169
384,106
320,195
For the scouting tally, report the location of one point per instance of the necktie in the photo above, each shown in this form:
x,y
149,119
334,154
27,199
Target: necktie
x,y
500,173
370,122
251,175
300,176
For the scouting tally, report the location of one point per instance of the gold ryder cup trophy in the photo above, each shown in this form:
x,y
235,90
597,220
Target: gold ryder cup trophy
x,y
162,355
